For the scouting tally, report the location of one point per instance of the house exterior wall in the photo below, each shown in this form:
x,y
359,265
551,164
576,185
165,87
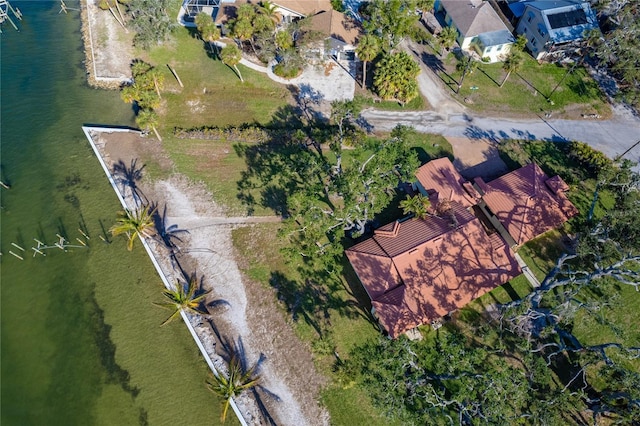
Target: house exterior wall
x,y
495,53
531,24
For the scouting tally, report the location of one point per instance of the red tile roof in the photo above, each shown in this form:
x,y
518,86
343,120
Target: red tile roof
x,y
428,268
527,202
441,180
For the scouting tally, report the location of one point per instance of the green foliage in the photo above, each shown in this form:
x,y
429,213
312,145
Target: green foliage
x,y
619,49
231,56
513,63
207,28
367,49
395,77
338,5
134,224
239,379
447,37
594,160
433,382
184,298
391,20
151,21
418,205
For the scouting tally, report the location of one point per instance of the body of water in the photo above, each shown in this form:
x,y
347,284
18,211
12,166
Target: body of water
x,y
80,339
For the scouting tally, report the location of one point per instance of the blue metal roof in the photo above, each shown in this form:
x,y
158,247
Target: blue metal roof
x,y
496,38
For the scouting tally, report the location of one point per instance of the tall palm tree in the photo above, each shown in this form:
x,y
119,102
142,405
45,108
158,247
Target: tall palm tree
x,y
367,49
418,205
466,65
208,30
231,56
134,224
239,380
268,9
183,298
513,63
148,119
158,80
447,38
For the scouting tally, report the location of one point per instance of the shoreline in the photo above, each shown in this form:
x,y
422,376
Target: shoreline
x,y
89,132
239,321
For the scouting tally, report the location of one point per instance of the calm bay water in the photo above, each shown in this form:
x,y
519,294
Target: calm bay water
x,y
69,320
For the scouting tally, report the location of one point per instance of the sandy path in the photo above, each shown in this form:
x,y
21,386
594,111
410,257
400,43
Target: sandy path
x,y
245,313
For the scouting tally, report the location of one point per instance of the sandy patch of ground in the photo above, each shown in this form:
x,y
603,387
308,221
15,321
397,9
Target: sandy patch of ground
x,y
244,314
110,46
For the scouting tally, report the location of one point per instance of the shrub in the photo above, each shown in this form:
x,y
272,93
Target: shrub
x,y
595,161
282,70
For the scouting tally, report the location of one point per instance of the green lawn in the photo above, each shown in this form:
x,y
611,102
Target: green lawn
x,y
527,90
213,95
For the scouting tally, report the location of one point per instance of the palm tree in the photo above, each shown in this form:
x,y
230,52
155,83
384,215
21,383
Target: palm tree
x,y
231,56
238,381
368,48
208,30
513,63
148,119
183,298
268,9
466,65
134,224
447,37
418,205
139,67
157,79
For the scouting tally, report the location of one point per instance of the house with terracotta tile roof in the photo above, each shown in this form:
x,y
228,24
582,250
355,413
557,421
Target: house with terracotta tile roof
x,y
438,179
416,271
526,202
419,270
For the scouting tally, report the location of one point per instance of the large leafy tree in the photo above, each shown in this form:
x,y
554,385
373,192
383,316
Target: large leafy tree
x,y
134,224
619,49
391,20
395,77
527,361
151,20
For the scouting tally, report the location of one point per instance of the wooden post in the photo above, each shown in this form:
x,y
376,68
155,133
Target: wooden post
x,y
175,74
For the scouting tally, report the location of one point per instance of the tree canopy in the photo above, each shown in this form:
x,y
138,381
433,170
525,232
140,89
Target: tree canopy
x,y
390,20
151,21
528,360
619,49
395,77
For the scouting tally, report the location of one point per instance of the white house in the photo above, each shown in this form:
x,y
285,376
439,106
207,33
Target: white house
x,y
479,27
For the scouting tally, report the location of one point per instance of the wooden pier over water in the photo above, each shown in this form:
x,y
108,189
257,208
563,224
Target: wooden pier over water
x,y
5,8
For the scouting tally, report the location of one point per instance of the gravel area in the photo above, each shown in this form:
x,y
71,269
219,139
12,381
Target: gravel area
x,y
244,313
